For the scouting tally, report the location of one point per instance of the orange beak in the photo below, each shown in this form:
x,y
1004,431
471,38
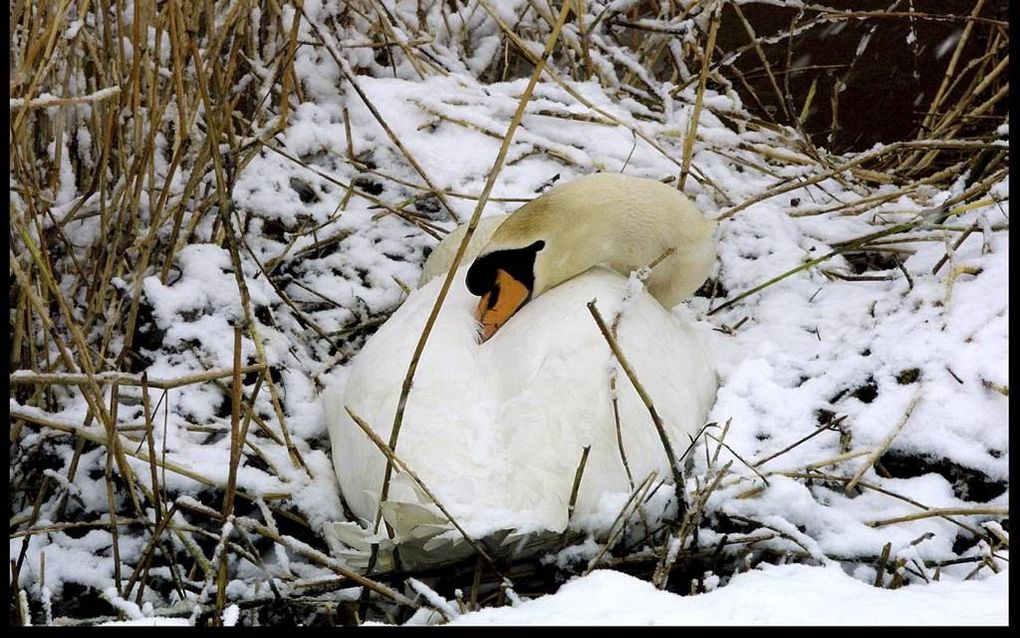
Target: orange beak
x,y
500,303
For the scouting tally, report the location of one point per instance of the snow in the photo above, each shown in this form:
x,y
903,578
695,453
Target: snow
x,y
776,595
230,615
817,347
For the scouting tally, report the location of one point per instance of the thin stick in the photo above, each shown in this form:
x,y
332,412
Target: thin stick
x,y
577,480
881,447
857,242
692,129
883,560
636,497
112,502
753,468
689,525
235,458
786,187
839,458
398,417
143,560
91,392
125,379
647,400
943,511
235,426
953,61
403,467
150,442
325,561
829,425
349,75
818,476
956,246
51,101
102,439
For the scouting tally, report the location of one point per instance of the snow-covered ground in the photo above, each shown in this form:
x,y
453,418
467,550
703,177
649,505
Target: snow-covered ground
x,y
904,362
775,595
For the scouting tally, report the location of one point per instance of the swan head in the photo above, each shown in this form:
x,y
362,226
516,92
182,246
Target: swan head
x,y
624,222
505,281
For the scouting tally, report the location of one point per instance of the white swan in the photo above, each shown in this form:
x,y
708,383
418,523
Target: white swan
x,y
496,428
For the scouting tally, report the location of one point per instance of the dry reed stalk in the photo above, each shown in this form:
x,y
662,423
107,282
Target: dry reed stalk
x,y
780,533
134,95
325,561
839,458
349,75
125,379
102,439
886,442
688,527
577,480
830,425
522,46
143,560
91,393
718,449
951,68
458,257
882,564
692,129
943,511
924,217
224,186
751,466
636,497
660,427
137,83
819,476
395,460
350,188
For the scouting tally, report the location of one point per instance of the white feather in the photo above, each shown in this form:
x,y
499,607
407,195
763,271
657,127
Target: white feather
x,y
496,430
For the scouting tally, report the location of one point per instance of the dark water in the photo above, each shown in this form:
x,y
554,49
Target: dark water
x,y
888,88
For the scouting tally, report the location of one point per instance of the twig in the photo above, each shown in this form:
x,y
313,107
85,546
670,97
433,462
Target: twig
x,y
944,511
51,101
884,444
101,439
692,129
577,480
490,181
827,426
325,561
235,459
923,217
956,245
403,467
656,420
125,379
752,467
883,560
871,486
636,497
349,75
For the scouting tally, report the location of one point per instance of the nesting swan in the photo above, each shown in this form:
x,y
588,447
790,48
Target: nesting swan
x,y
515,378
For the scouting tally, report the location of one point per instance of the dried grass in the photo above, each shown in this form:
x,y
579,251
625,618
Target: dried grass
x,y
166,135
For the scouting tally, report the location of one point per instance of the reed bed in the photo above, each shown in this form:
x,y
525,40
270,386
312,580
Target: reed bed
x,y
131,124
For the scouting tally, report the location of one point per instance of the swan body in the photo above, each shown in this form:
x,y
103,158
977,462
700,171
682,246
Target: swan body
x,y
496,429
